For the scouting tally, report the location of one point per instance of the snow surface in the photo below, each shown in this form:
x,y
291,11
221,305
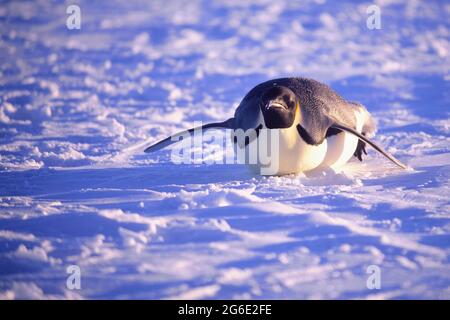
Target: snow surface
x,y
78,107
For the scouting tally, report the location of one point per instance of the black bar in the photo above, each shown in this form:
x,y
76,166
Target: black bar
x,y
225,309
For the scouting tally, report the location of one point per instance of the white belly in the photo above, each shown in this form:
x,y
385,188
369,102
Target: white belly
x,y
296,155
340,149
286,151
342,146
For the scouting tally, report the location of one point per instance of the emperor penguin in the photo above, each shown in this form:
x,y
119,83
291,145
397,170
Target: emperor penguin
x,y
301,123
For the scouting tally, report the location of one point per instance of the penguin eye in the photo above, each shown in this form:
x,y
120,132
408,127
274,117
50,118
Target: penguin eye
x,y
288,100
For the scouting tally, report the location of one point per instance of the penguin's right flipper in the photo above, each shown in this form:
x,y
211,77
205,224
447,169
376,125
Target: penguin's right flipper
x,y
228,124
371,143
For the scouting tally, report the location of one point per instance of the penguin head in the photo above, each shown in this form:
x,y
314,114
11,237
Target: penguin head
x,y
278,106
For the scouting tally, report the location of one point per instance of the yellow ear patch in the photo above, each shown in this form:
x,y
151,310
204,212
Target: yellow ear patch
x,y
297,111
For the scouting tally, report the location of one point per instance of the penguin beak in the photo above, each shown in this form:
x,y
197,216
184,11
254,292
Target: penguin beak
x,y
275,104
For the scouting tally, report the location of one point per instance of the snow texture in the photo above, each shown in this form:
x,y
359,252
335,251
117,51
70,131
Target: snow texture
x,y
77,108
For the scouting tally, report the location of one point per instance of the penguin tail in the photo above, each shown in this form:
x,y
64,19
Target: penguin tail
x,y
227,124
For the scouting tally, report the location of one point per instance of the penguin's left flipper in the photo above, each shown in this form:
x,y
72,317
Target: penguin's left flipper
x,y
227,124
369,142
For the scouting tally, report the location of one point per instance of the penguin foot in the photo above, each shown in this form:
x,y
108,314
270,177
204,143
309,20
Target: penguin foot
x,y
360,148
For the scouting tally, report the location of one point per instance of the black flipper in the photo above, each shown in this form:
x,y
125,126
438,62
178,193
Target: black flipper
x,y
369,142
228,124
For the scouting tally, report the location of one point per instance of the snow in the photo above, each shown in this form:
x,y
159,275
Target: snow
x,y
77,108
